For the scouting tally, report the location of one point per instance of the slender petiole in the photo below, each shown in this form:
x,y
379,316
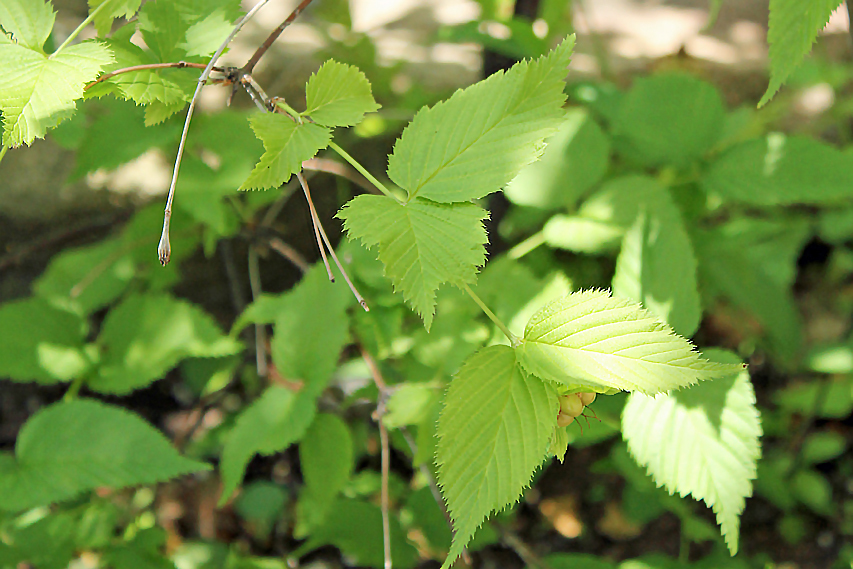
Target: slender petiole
x,y
513,339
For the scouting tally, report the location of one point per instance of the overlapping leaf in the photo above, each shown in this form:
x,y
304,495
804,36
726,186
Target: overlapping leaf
x,y
338,95
146,335
310,332
39,90
287,144
422,244
69,448
113,9
701,441
794,26
656,266
493,432
477,141
600,343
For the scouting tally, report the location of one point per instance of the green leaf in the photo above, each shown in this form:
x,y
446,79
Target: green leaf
x,y
356,529
41,342
701,441
326,459
422,244
794,26
474,143
656,266
38,90
29,21
147,335
599,343
575,160
494,431
287,144
669,119
113,9
782,170
69,448
310,332
338,95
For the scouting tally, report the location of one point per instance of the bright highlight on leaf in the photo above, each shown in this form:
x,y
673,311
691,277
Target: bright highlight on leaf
x,y
494,431
339,95
600,343
69,448
474,143
422,244
794,26
287,144
701,441
39,90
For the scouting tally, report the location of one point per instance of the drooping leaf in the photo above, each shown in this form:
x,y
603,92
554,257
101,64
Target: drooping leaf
x,y
656,266
39,90
338,95
147,335
287,144
701,441
781,170
326,459
69,448
113,9
669,119
41,342
575,160
794,26
310,332
591,340
422,244
494,431
477,141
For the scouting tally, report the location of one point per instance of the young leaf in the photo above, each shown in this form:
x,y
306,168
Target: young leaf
x,y
793,28
39,90
326,458
147,335
592,340
338,95
669,119
701,441
656,266
494,431
69,448
41,342
474,143
782,170
310,332
114,9
422,244
287,144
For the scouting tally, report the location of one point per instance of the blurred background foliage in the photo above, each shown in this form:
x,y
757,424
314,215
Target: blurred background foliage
x,y
662,103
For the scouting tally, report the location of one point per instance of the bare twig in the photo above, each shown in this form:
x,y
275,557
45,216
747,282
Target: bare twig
x,y
259,53
232,275
164,249
521,549
341,170
319,226
175,65
260,330
289,253
386,453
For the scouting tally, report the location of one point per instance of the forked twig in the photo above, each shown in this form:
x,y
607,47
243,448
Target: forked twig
x,y
164,249
259,53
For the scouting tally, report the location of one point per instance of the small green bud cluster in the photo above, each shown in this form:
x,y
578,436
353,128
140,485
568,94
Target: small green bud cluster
x,y
571,406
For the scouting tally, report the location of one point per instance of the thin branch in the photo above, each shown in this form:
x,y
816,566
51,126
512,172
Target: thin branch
x,y
331,249
259,53
175,65
260,330
232,276
289,253
386,453
521,549
164,249
341,170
